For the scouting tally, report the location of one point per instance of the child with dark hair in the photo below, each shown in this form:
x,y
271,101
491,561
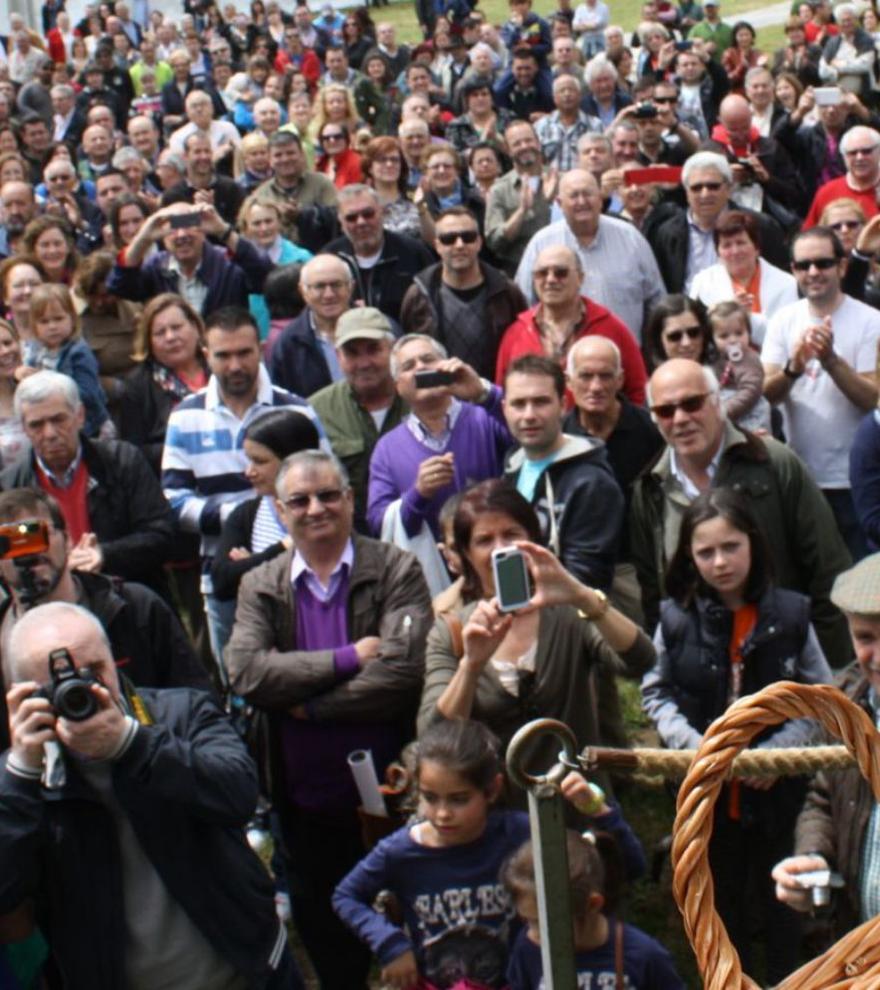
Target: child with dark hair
x,y
608,953
725,631
444,869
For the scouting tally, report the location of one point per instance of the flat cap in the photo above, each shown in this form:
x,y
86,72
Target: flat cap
x,y
362,323
858,589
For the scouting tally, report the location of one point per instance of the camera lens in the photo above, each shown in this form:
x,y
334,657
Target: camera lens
x,y
75,701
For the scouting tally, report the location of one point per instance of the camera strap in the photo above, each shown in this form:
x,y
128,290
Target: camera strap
x,y
136,704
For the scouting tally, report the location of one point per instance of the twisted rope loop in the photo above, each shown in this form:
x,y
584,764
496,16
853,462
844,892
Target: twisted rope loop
x,y
853,963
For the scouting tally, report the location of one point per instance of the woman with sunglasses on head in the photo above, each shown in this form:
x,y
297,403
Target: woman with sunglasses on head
x,y
742,275
726,630
336,158
677,328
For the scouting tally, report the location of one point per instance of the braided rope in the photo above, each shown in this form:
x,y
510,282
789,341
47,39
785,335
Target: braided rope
x,y
653,766
853,963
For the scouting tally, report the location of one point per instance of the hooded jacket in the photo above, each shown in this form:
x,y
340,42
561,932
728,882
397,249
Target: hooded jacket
x,y
580,507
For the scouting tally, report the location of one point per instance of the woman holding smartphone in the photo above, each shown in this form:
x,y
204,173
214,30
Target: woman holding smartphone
x,y
504,668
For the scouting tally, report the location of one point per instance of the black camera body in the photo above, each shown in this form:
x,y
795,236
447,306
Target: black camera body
x,y
69,690
645,111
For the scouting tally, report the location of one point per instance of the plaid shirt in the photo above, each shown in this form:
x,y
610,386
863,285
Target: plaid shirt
x,y
559,143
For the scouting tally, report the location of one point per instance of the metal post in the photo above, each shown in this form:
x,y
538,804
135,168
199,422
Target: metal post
x,y
547,821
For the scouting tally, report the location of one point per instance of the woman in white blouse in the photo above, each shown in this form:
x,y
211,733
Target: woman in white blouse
x,y
743,275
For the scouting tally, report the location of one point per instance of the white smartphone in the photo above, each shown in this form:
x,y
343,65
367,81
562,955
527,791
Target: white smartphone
x,y
827,96
511,574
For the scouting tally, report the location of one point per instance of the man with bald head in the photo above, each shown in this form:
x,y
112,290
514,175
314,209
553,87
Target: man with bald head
x,y
304,357
706,450
19,208
619,270
763,173
148,799
860,147
564,315
267,116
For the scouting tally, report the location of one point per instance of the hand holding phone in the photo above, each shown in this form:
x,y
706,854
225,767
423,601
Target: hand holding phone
x,y
511,574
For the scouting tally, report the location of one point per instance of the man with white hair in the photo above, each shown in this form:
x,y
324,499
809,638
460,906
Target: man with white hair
x,y
224,137
683,239
849,58
601,243
560,130
604,99
706,450
860,147
267,116
134,842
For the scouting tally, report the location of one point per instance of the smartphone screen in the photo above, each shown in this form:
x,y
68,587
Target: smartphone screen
x,y
511,579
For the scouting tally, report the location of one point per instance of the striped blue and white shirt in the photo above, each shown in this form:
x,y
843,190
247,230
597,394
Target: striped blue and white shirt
x,y
203,461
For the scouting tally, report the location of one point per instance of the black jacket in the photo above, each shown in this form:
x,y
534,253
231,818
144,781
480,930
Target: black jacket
x,y
385,285
226,574
580,507
666,229
143,413
127,510
784,184
188,787
228,196
422,310
298,363
147,640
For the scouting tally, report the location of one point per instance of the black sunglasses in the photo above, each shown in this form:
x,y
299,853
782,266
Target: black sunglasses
x,y
674,336
823,264
692,404
466,236
558,271
328,496
710,186
368,213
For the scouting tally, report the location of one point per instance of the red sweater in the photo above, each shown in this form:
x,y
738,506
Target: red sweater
x,y
523,337
838,189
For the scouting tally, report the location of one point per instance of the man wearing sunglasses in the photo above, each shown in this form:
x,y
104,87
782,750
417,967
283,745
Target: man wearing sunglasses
x,y
329,643
683,239
462,301
382,263
705,450
860,147
820,358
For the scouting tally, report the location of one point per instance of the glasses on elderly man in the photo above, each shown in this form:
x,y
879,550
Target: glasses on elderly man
x,y
327,496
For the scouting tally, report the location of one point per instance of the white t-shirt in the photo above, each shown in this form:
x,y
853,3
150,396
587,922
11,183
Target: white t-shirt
x,y
820,421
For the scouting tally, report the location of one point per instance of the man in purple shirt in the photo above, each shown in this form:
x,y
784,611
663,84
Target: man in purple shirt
x,y
329,643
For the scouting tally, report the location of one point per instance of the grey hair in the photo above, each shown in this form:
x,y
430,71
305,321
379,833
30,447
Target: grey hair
x,y
613,29
588,339
42,615
310,459
567,77
357,189
408,338
755,71
707,159
128,156
597,65
62,89
626,124
648,28
173,160
712,384
592,137
44,385
846,8
853,134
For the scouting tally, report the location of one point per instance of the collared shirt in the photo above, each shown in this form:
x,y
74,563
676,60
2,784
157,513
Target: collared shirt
x,y
701,250
301,572
687,486
559,143
192,288
60,125
435,441
64,479
328,349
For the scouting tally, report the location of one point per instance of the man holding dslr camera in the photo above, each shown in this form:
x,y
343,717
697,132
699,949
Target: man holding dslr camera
x,y
135,855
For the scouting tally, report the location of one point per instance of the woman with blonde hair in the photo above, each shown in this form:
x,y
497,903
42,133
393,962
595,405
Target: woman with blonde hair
x,y
20,274
335,105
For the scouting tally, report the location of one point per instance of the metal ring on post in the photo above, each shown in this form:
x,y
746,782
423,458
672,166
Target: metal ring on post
x,y
528,734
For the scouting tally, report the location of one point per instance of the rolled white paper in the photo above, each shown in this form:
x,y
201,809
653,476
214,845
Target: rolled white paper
x,y
363,770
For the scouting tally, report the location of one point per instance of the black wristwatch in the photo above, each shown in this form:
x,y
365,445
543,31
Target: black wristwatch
x,y
789,372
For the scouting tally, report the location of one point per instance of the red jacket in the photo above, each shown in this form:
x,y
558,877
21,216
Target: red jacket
x,y
309,66
348,168
523,337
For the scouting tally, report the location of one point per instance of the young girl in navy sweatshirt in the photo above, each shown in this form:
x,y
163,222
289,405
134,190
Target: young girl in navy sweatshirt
x,y
445,870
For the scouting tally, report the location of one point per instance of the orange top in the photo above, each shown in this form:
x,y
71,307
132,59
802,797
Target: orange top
x,y
744,620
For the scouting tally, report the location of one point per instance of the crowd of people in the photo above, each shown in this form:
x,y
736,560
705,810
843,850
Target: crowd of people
x,y
302,327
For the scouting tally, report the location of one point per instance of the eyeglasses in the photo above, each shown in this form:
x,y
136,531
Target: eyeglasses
x,y
867,152
665,99
559,272
327,496
708,186
336,285
844,224
692,404
823,264
465,236
674,336
437,166
332,136
389,160
367,213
